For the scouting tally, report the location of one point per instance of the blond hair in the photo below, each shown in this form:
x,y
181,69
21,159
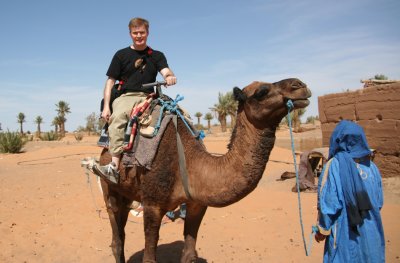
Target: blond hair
x,y
137,21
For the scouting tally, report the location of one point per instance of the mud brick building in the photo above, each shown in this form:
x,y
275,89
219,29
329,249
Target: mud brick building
x,y
377,109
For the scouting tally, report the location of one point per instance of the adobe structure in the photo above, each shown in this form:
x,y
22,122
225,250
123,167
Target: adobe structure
x,y
376,108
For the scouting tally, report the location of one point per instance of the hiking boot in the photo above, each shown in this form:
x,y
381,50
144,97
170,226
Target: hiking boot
x,y
109,172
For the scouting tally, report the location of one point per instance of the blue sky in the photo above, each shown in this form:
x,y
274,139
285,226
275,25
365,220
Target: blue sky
x,y
60,50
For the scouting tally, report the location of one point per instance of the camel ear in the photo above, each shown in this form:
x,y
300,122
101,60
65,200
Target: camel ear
x,y
239,95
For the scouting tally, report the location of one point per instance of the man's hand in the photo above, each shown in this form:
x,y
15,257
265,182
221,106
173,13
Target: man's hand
x,y
171,80
107,96
168,76
319,237
106,114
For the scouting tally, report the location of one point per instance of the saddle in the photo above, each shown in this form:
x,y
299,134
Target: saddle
x,y
148,127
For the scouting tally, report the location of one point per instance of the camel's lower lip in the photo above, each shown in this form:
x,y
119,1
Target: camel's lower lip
x,y
301,103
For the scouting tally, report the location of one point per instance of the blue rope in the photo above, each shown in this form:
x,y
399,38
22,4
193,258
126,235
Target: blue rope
x,y
172,106
290,107
158,125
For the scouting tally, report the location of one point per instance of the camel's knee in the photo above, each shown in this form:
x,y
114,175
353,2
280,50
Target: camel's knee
x,y
116,246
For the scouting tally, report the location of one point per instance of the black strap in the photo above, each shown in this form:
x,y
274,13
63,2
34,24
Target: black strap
x,y
146,57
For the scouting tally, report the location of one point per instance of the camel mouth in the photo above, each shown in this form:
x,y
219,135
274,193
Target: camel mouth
x,y
302,100
301,103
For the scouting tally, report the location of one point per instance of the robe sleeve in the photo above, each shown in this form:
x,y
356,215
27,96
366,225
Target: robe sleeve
x,y
378,178
330,199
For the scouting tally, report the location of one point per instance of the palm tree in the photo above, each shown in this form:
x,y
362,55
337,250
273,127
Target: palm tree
x,y
220,110
20,120
226,106
62,109
38,121
61,124
232,107
56,123
295,117
208,117
198,116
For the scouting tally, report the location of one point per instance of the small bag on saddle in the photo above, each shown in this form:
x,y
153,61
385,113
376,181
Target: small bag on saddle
x,y
149,119
104,140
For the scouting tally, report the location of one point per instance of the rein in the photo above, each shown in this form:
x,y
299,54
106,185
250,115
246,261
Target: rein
x,y
314,229
182,160
88,164
172,106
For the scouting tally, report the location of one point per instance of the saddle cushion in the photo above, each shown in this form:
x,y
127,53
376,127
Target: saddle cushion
x,y
145,148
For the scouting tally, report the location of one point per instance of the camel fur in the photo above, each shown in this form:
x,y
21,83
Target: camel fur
x,y
215,181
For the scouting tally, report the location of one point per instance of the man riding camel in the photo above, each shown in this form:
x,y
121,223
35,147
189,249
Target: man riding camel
x,y
132,66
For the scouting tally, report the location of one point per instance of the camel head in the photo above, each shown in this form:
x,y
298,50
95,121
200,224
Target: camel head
x,y
264,104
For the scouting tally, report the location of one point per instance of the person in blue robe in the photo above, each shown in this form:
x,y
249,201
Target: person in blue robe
x,y
350,198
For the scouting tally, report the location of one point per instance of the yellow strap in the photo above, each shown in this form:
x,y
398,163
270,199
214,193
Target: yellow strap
x,y
325,175
322,230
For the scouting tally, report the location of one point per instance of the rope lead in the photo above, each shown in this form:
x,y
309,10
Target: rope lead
x,y
172,106
290,107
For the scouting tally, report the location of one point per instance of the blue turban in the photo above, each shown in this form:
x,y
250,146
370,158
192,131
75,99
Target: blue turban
x,y
348,142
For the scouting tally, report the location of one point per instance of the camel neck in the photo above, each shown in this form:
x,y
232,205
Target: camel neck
x,y
227,179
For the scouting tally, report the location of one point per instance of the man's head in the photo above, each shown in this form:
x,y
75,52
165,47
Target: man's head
x,y
138,22
349,137
139,31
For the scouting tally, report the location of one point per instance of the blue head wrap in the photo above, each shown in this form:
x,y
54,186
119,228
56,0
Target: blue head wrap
x,y
347,142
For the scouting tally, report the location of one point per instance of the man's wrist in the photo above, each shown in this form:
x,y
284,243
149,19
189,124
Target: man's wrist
x,y
324,231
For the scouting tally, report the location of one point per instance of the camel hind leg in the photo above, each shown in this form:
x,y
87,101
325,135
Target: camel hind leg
x,y
118,208
194,216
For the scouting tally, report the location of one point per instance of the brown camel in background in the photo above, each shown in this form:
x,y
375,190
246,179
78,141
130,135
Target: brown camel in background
x,y
215,181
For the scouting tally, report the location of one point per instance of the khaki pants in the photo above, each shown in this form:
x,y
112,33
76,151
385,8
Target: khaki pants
x,y
122,107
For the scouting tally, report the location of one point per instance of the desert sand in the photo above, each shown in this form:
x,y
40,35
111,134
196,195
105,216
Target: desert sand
x,y
51,211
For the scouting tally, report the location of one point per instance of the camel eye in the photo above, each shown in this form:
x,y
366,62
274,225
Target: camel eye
x,y
297,85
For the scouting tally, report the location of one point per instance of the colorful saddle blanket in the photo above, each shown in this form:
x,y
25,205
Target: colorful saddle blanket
x,y
145,147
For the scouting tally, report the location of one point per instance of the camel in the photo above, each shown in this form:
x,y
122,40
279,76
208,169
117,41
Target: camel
x,y
215,181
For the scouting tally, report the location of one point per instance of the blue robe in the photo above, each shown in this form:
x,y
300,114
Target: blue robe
x,y
343,243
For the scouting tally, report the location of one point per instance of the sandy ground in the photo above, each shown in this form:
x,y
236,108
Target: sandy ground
x,y
48,214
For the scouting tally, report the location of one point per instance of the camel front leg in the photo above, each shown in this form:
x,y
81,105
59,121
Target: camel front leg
x,y
194,216
118,209
152,217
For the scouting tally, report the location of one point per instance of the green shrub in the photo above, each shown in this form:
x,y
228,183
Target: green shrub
x,y
11,142
50,136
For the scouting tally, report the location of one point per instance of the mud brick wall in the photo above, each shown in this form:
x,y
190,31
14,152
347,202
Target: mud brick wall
x,y
377,110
